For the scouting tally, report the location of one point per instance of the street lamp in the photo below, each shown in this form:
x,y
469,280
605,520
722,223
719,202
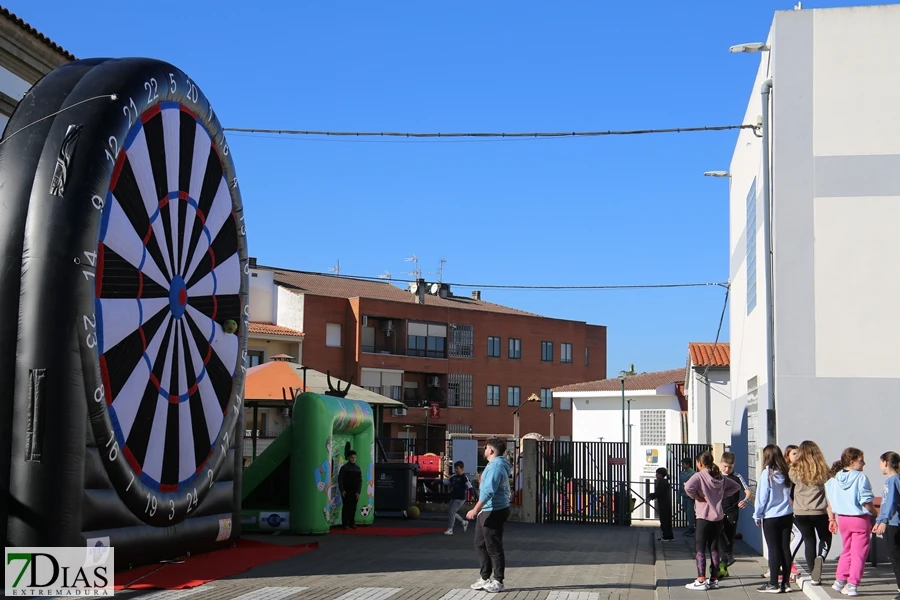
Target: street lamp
x,y
750,48
531,398
622,378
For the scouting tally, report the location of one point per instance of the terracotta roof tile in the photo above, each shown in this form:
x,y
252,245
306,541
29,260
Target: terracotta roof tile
x,y
270,329
347,287
28,28
644,381
708,354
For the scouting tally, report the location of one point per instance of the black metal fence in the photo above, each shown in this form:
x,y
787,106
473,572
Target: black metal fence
x,y
583,482
675,453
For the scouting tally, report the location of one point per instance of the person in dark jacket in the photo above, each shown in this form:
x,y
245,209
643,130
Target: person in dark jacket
x,y
663,496
350,485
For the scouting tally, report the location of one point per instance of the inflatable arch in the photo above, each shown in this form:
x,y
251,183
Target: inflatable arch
x,y
293,484
123,315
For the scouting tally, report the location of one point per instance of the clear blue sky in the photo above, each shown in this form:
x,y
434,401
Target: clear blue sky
x,y
622,210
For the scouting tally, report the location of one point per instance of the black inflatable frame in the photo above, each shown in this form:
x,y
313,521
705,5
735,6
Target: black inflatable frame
x,y
67,477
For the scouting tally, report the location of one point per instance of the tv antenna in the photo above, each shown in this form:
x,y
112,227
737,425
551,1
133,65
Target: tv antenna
x,y
385,275
336,269
416,272
440,271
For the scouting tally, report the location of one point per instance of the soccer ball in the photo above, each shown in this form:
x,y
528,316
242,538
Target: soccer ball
x,y
229,326
365,510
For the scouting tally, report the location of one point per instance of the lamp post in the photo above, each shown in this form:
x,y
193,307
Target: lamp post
x,y
622,381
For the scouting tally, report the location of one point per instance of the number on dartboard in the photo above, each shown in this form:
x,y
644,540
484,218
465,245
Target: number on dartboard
x,y
113,149
114,448
172,505
172,85
130,482
151,504
92,257
209,475
191,501
152,90
90,322
99,393
98,202
131,112
193,92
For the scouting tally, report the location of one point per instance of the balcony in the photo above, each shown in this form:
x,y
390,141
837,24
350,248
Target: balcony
x,y
398,337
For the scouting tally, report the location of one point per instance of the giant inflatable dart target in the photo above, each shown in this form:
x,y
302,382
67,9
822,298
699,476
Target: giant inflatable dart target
x,y
125,304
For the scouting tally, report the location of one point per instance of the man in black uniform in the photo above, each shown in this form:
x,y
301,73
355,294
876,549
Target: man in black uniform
x,y
663,496
350,485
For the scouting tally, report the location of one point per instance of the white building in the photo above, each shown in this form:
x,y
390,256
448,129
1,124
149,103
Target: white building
x,y
708,390
26,55
653,404
833,180
276,320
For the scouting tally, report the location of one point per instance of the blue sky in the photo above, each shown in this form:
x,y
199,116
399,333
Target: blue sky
x,y
612,210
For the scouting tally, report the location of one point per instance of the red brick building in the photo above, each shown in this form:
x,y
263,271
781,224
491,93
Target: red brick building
x,y
476,361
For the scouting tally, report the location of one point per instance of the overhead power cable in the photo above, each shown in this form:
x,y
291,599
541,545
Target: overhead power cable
x,y
494,286
513,135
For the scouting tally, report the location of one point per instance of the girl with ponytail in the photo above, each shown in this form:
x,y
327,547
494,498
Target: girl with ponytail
x,y
707,488
850,509
775,514
888,521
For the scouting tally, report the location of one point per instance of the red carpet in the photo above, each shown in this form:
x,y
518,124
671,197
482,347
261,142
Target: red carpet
x,y
204,568
388,531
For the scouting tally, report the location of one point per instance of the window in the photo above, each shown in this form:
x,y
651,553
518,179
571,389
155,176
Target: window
x,y
653,428
256,357
546,398
515,348
458,428
494,346
751,248
333,335
459,387
587,356
513,395
565,353
426,339
368,339
493,395
462,338
547,351
752,417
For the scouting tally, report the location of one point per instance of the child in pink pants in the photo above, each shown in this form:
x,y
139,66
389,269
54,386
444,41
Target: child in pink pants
x,y
850,510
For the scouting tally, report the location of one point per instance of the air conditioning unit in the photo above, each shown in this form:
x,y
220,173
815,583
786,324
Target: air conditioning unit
x,y
434,381
365,321
399,412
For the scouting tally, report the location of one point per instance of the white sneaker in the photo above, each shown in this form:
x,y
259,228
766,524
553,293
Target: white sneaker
x,y
838,585
849,590
698,585
493,586
448,532
479,585
465,526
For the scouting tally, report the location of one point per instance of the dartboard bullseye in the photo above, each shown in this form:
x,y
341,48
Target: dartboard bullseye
x,y
169,281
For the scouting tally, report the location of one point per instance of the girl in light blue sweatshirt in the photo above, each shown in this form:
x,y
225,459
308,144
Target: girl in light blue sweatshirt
x,y
888,521
775,514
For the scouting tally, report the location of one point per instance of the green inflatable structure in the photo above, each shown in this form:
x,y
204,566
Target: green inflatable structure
x,y
293,485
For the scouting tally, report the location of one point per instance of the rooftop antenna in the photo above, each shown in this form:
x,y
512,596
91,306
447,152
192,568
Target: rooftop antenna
x,y
440,271
385,275
799,6
336,269
416,272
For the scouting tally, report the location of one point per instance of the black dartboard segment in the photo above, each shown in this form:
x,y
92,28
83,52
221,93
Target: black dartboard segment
x,y
170,304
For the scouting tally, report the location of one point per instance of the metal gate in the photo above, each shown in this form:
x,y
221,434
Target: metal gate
x,y
674,455
582,482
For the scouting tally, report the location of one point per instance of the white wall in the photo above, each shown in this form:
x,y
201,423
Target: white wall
x,y
716,429
836,232
289,309
262,296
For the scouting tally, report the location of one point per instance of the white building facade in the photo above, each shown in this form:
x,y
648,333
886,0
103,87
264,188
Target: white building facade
x,y
652,407
707,386
834,114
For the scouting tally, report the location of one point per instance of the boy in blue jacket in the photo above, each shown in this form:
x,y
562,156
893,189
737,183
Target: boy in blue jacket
x,y
490,513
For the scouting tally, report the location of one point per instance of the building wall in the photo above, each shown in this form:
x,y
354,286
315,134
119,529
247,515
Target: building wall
x,y
836,220
272,347
263,297
288,309
599,418
716,429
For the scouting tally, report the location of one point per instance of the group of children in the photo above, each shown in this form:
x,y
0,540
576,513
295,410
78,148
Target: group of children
x,y
795,489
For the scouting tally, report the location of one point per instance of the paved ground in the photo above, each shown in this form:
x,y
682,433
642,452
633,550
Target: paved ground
x,y
545,562
675,567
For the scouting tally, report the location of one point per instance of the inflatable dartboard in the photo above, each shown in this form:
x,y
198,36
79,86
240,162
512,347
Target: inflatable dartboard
x,y
124,227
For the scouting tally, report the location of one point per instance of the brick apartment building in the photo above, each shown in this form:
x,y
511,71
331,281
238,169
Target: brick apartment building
x,y
477,361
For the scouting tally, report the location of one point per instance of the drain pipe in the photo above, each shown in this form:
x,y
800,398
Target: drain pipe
x,y
766,91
